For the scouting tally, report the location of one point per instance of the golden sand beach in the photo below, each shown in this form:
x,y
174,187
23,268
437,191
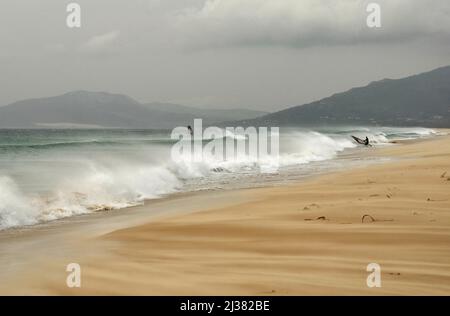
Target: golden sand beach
x,y
310,238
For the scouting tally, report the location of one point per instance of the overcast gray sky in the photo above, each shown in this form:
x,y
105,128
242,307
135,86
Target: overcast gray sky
x,y
260,54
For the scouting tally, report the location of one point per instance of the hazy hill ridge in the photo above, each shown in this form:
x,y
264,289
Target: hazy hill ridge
x,y
420,100
107,110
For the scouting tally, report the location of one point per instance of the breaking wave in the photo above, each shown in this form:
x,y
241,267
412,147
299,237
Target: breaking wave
x,y
63,179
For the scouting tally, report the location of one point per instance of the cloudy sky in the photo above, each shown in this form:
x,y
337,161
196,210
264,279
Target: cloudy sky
x,y
260,54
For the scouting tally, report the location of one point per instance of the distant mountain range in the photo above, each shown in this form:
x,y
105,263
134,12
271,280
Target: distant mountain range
x,y
84,109
420,100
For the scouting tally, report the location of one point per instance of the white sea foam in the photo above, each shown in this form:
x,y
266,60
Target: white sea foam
x,y
15,209
120,177
99,189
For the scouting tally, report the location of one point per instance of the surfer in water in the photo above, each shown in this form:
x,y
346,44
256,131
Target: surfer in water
x,y
190,130
365,142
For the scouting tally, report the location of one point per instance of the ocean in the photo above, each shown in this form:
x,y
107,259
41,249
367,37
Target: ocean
x,y
50,174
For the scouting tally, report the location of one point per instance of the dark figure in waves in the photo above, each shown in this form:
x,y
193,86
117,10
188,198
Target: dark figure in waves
x,y
360,141
190,130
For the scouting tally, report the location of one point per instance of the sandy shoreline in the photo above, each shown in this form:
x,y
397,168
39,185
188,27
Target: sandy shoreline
x,y
300,239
